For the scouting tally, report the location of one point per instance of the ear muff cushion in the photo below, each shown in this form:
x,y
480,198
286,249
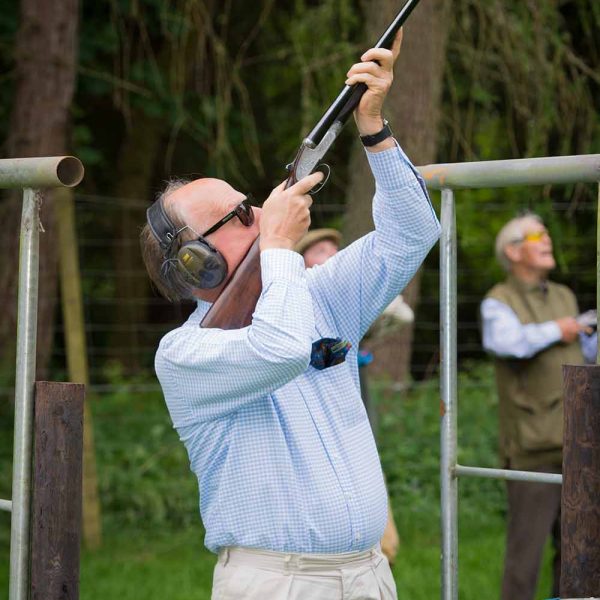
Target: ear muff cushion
x,y
202,264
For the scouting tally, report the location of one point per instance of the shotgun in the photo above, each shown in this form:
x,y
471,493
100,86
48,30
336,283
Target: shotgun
x,y
235,306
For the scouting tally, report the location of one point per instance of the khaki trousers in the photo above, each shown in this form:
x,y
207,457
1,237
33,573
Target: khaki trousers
x,y
252,574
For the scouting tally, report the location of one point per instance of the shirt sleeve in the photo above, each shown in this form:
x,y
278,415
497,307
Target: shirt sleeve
x,y
505,336
354,286
206,373
589,346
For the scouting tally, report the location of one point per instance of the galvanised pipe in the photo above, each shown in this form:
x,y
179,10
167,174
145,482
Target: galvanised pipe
x,y
40,172
5,505
584,168
24,386
448,428
509,474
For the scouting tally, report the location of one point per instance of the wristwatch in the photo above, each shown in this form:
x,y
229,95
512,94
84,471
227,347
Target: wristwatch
x,y
375,138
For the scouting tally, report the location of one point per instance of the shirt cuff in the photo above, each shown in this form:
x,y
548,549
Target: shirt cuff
x,y
281,264
392,169
551,332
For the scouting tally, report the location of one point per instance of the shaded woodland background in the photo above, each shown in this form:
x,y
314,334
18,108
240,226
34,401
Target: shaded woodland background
x,y
145,90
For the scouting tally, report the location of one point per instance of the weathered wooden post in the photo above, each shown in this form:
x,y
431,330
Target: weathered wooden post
x,y
580,517
56,501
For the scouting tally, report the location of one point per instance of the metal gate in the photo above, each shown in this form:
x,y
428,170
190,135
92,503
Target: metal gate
x,y
35,173
447,178
31,174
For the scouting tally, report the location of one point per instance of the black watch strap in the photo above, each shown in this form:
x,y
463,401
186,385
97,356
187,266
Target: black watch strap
x,y
371,140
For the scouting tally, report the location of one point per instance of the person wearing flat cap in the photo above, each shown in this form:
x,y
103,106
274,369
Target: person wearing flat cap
x,y
317,246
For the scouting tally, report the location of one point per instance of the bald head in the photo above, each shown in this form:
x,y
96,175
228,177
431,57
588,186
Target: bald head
x,y
202,202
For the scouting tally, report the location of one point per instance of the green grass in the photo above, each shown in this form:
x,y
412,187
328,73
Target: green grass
x,y
153,539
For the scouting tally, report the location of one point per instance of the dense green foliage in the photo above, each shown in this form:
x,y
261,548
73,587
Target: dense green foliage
x,y
229,89
153,546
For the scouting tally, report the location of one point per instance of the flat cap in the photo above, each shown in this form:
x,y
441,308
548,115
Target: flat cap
x,y
318,235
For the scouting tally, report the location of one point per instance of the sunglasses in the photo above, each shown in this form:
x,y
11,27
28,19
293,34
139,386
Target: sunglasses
x,y
243,211
531,237
534,237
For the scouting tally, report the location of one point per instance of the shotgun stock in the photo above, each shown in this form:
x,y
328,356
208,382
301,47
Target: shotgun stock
x,y
235,306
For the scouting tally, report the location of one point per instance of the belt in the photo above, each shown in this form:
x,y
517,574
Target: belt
x,y
287,562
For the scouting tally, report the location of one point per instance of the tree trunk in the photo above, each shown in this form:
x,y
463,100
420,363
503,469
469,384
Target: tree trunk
x,y
413,108
137,159
45,68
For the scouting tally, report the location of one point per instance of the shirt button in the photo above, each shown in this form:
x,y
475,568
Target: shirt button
x,y
349,496
357,537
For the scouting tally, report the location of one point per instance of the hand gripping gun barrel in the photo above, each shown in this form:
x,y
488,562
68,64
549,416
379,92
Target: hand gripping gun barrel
x,y
235,305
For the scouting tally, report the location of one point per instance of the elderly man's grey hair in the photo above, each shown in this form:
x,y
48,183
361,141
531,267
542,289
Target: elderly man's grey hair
x,y
513,232
170,284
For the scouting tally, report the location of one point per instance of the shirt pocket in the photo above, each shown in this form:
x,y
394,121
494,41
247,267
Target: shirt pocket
x,y
539,424
341,398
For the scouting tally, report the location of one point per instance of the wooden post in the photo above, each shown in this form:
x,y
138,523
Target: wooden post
x,y
56,501
580,518
76,349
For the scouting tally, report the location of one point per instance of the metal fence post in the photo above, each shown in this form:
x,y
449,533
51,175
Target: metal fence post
x,y
448,434
24,386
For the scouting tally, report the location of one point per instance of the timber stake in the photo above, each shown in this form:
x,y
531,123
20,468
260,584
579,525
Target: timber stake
x,y
580,517
56,503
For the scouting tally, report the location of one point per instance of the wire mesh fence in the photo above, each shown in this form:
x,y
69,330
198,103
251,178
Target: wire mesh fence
x,y
125,318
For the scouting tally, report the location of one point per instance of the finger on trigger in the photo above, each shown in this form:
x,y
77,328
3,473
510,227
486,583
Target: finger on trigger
x,y
308,183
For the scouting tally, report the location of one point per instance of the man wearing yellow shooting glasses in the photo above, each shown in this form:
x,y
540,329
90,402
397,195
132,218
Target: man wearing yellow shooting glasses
x,y
532,327
291,490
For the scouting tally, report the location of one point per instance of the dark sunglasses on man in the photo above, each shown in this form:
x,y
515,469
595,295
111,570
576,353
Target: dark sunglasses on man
x,y
243,211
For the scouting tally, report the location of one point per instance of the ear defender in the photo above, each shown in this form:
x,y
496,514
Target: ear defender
x,y
201,264
198,261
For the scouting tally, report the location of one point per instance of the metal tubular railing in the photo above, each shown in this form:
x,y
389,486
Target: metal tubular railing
x,y
448,177
448,429
28,173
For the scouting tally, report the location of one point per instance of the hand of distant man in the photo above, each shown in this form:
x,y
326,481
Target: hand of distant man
x,y
569,329
378,78
285,214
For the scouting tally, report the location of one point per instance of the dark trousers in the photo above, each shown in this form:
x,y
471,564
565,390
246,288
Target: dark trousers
x,y
533,515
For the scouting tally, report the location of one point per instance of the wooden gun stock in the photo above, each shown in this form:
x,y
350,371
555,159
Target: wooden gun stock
x,y
235,306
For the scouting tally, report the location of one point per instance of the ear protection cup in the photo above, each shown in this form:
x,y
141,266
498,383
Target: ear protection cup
x,y
198,262
201,264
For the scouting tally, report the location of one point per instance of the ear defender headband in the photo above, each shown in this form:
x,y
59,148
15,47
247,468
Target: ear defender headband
x,y
198,262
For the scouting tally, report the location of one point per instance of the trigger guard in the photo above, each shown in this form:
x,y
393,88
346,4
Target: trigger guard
x,y
326,170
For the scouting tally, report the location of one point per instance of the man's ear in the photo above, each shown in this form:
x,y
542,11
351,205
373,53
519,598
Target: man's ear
x,y
513,252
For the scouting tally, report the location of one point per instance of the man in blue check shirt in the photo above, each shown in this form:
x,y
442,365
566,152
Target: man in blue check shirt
x,y
291,491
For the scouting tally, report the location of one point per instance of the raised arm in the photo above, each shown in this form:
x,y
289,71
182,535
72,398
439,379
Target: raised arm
x,y
356,284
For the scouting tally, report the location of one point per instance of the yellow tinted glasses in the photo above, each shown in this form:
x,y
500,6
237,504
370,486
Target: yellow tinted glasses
x,y
535,236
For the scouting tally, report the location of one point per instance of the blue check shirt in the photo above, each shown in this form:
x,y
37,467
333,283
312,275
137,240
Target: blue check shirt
x,y
283,453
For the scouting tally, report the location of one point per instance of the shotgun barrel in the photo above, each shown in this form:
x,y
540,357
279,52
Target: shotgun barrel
x,y
235,306
348,99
